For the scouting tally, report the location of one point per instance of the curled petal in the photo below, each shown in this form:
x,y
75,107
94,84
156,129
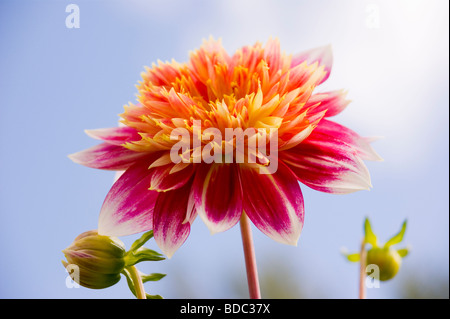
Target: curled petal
x,y
297,138
170,228
128,207
274,203
218,196
107,156
163,160
163,179
322,55
328,164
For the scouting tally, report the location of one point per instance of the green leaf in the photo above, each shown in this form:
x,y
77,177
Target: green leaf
x,y
403,252
142,254
398,237
141,241
370,237
152,277
353,257
153,296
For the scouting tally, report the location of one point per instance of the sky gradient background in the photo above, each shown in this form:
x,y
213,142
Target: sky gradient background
x,y
55,82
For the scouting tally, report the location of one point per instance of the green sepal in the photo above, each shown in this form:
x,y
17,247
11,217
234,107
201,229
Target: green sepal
x,y
354,258
398,237
370,237
350,257
141,241
142,254
403,252
152,277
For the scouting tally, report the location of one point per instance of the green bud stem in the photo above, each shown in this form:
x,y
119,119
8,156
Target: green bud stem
x,y
137,281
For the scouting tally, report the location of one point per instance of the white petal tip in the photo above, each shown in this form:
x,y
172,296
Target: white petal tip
x,y
287,241
295,244
371,139
104,230
90,133
213,228
292,242
169,256
74,158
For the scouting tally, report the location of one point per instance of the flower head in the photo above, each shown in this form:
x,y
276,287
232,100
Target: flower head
x,y
188,146
96,261
99,260
386,258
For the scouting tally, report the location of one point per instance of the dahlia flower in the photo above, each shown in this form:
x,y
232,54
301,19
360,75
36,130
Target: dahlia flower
x,y
258,88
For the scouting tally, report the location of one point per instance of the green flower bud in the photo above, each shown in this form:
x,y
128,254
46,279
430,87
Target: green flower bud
x,y
387,259
97,260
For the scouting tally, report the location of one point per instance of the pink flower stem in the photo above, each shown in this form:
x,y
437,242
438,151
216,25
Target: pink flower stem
x,y
362,271
250,260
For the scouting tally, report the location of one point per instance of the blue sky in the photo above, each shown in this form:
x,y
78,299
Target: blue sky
x,y
55,82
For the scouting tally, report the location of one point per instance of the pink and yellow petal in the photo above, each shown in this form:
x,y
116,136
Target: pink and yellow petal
x,y
171,228
331,130
274,202
115,135
107,156
327,164
128,206
218,196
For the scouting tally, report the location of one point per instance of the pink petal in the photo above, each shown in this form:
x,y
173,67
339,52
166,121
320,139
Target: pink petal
x,y
333,102
107,156
341,133
218,196
323,55
128,207
115,135
170,228
164,180
274,203
328,164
